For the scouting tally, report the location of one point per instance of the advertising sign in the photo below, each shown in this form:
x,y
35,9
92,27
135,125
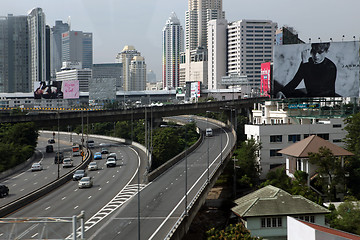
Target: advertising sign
x,y
48,90
70,89
325,69
195,90
265,79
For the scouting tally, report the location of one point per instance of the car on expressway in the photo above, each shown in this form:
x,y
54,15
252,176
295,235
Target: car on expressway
x,y
59,157
112,155
51,141
104,151
49,148
97,156
36,167
67,162
4,191
93,166
85,182
111,162
78,174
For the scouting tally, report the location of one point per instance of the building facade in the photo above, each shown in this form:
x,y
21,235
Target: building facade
x,y
56,45
81,75
172,47
109,71
275,128
137,74
217,49
37,45
250,43
14,57
77,47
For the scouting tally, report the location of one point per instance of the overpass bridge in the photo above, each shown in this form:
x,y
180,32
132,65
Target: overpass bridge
x,y
67,117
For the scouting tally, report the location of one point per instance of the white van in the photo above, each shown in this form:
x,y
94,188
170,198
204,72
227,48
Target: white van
x,y
90,143
208,132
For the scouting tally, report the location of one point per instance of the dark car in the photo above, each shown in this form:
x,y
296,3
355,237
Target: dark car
x,y
51,140
78,174
4,191
49,148
59,157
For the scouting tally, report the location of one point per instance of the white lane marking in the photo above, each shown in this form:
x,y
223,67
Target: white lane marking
x,y
47,208
76,207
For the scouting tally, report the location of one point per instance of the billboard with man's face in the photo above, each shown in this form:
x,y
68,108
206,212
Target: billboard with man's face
x,y
329,69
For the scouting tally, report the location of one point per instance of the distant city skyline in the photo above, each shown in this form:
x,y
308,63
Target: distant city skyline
x,y
117,23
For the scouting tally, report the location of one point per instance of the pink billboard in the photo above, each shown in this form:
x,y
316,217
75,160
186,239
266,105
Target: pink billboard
x,y
70,89
265,79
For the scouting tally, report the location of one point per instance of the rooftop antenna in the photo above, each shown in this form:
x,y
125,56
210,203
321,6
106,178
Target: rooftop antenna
x,y
69,22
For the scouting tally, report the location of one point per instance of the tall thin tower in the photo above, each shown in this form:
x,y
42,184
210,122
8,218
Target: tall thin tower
x,y
199,13
37,40
172,46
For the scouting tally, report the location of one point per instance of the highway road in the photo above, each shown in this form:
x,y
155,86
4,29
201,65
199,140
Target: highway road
x,y
108,191
26,181
163,201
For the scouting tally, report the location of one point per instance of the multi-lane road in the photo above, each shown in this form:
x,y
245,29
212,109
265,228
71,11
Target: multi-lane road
x,y
113,208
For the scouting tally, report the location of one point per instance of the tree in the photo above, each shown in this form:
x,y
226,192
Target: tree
x,y
247,156
346,217
352,141
278,178
331,170
234,232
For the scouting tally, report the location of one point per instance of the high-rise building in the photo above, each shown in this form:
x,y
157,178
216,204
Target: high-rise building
x,y
76,74
194,65
250,43
172,46
125,57
77,47
56,45
37,44
109,71
199,13
137,74
14,54
217,52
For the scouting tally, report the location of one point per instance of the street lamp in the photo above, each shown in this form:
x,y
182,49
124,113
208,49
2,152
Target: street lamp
x,y
208,160
235,167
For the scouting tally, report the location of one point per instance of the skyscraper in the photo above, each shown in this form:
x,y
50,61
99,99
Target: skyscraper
x,y
56,45
14,54
199,13
134,69
250,43
77,47
172,46
37,44
194,62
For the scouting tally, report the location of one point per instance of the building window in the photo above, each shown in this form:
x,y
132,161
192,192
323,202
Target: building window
x,y
276,138
336,125
324,136
274,153
337,140
294,138
307,218
271,222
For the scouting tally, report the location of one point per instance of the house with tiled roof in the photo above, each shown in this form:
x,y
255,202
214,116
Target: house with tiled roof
x,y
299,230
264,212
298,154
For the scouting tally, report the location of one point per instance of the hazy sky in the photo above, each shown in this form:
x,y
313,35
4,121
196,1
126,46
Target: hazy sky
x,y
116,23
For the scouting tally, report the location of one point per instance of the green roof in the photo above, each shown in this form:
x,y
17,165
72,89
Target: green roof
x,y
273,201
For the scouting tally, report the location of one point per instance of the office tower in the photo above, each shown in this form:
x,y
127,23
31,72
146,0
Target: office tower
x,y
250,43
172,46
56,45
125,57
37,44
217,52
77,47
14,54
151,77
137,74
87,50
109,71
199,13
47,52
194,65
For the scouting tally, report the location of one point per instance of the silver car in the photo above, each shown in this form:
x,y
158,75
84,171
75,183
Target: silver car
x,y
92,166
36,167
85,182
